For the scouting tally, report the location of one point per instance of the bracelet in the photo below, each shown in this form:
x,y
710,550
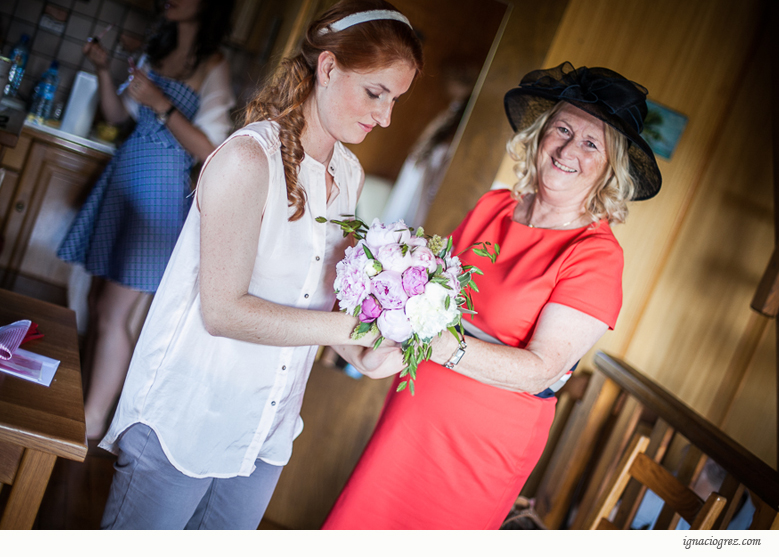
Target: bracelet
x,y
162,118
457,356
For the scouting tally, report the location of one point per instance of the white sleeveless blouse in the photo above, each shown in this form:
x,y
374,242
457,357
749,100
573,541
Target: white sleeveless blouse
x,y
217,404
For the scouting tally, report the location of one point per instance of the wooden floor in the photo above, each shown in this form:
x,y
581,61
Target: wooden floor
x,y
77,492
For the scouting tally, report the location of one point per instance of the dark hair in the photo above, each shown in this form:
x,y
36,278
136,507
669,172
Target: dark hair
x,y
374,44
214,25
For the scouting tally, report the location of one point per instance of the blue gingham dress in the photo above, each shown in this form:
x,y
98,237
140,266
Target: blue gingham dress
x,y
131,220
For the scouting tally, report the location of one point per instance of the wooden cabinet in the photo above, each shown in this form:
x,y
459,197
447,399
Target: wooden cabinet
x,y
47,180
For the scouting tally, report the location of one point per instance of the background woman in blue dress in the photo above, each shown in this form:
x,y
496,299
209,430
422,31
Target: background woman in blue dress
x,y
180,97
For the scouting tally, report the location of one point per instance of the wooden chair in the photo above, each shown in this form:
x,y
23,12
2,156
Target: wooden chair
x,y
637,465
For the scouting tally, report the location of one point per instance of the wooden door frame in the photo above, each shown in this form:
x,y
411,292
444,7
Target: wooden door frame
x,y
520,46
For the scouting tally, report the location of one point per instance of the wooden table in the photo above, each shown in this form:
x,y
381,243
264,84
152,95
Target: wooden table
x,y
37,423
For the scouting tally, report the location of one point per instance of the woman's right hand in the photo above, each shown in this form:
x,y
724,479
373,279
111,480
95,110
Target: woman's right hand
x,y
385,361
96,54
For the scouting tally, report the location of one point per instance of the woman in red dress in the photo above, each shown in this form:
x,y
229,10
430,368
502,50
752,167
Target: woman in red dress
x,y
456,455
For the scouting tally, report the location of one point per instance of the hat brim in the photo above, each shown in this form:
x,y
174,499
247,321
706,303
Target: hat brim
x,y
524,106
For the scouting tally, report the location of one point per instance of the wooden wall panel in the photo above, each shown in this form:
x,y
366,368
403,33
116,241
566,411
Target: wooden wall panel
x,y
750,420
700,307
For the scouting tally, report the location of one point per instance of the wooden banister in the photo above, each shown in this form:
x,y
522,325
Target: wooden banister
x,y
723,449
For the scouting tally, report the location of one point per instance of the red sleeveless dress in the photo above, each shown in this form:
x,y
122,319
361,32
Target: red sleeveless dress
x,y
457,453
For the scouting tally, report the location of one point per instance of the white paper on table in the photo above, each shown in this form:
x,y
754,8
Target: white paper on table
x,y
30,366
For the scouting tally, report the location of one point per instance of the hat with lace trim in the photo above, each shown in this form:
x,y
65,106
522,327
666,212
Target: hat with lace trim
x,y
604,94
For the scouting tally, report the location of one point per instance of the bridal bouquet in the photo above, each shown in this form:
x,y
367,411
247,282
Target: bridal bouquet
x,y
404,286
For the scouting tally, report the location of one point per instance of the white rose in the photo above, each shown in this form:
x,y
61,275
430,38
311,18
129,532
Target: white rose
x,y
427,312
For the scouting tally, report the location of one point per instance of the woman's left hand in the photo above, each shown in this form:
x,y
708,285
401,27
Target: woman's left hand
x,y
143,91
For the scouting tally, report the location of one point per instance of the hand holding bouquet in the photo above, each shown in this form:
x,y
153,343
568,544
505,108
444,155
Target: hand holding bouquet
x,y
405,286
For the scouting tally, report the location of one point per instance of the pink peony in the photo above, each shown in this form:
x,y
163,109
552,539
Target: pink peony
x,y
414,280
392,259
423,257
352,285
388,289
453,282
371,309
394,325
379,235
356,255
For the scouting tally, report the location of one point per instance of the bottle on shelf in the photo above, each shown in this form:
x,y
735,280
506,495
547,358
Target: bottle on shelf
x,y
43,96
19,56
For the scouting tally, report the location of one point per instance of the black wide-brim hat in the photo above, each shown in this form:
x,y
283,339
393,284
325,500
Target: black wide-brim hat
x,y
600,92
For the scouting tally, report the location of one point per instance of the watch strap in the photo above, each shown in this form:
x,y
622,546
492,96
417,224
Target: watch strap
x,y
457,356
163,117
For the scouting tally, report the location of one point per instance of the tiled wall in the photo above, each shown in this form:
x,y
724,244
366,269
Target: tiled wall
x,y
58,30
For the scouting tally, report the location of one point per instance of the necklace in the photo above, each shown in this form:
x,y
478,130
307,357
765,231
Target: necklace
x,y
530,217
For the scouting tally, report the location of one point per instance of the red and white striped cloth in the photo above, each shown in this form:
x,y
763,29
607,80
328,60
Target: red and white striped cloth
x,y
11,336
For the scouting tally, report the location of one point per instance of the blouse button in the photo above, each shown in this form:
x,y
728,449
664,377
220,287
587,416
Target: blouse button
x,y
305,295
283,367
317,258
273,403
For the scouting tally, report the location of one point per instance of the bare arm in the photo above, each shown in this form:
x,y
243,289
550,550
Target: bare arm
x,y
563,335
145,92
110,103
231,195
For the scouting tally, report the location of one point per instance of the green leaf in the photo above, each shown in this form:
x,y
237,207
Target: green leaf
x,y
367,252
377,343
401,387
411,384
447,301
321,220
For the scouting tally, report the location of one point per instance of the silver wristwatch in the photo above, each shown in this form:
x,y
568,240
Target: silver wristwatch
x,y
162,117
457,356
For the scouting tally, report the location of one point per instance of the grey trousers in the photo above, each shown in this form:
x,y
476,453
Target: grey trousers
x,y
149,493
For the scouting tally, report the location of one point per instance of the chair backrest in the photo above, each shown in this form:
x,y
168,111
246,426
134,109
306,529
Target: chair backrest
x,y
683,500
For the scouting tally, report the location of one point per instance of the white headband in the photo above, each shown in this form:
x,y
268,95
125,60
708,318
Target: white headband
x,y
362,17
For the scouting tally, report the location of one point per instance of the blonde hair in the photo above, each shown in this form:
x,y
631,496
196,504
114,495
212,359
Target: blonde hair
x,y
370,45
608,197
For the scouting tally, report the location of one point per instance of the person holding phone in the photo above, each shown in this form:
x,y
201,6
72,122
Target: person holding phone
x,y
180,98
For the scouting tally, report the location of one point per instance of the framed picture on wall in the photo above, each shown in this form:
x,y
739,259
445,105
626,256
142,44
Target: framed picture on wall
x,y
662,128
